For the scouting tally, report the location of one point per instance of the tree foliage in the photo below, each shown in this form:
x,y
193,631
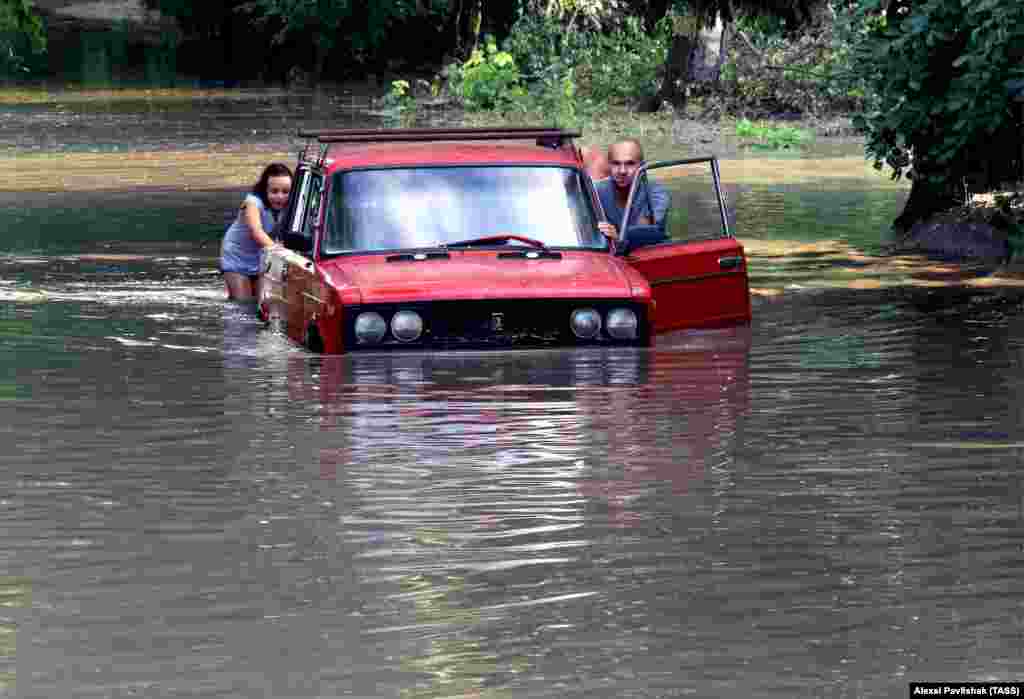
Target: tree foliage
x,y
488,79
203,18
616,64
813,72
363,26
938,73
21,35
572,14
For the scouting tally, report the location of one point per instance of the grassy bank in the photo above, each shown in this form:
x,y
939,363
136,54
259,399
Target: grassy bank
x,y
182,170
49,94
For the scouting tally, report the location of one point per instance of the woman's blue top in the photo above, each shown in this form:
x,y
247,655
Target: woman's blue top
x,y
240,252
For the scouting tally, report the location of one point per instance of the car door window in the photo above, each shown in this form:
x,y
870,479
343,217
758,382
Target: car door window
x,y
315,202
696,268
290,232
696,211
299,236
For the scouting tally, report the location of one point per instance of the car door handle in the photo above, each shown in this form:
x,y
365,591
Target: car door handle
x,y
730,262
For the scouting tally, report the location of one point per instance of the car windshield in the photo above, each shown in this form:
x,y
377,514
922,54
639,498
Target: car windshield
x,y
400,208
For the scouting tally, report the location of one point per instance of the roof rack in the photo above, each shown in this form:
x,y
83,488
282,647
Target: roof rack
x,y
545,136
313,153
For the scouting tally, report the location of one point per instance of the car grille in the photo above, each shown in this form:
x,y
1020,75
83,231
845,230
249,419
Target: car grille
x,y
496,324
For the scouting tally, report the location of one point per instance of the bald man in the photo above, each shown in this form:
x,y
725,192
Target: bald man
x,y
652,202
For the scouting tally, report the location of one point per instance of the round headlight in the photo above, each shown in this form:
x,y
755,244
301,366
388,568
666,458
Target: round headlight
x,y
585,323
621,324
406,326
370,328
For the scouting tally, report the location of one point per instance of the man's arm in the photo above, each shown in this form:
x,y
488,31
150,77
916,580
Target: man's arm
x,y
660,200
605,197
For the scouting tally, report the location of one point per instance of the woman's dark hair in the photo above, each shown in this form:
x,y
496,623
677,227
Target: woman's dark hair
x,y
272,170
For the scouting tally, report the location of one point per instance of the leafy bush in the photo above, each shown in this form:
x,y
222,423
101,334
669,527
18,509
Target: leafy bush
x,y
400,95
624,64
555,99
614,65
488,79
541,46
813,72
22,37
771,137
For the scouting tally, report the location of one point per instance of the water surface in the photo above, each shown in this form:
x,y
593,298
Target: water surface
x,y
827,503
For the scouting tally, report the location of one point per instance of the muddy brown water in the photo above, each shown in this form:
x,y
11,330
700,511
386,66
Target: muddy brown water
x,y
826,504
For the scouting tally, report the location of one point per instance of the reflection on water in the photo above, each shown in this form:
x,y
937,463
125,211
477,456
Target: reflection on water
x,y
802,214
198,507
828,503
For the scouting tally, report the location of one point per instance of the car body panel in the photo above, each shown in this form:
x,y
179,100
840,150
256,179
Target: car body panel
x,y
482,274
292,294
695,285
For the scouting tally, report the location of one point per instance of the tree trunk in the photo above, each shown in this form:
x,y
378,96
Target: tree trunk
x,y
710,52
677,63
928,198
469,18
320,60
458,29
695,56
476,20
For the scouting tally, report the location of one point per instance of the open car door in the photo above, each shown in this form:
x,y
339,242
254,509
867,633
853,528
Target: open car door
x,y
696,268
291,292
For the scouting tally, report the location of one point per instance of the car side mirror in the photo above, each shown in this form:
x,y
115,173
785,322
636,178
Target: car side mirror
x,y
641,234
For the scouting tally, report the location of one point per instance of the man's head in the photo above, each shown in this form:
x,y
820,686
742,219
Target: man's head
x,y
624,157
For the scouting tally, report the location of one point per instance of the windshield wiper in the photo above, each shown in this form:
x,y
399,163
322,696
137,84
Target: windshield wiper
x,y
495,239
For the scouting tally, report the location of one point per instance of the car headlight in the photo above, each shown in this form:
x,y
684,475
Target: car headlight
x,y
370,328
406,326
585,323
621,324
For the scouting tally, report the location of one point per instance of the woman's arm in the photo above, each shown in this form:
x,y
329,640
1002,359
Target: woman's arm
x,y
251,216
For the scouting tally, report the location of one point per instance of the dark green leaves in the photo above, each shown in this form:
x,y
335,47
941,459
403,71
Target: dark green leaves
x,y
942,82
21,35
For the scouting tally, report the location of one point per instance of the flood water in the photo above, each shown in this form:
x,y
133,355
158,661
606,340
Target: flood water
x,y
826,504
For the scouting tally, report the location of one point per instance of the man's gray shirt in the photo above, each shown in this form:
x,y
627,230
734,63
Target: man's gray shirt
x,y
657,206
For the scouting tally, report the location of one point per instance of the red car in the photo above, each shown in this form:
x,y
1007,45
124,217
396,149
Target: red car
x,y
479,238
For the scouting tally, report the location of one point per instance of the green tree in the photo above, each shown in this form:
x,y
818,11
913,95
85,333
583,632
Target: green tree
x,y
21,35
363,26
221,28
591,14
939,72
195,16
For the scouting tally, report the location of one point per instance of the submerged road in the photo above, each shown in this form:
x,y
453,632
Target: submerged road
x,y
826,504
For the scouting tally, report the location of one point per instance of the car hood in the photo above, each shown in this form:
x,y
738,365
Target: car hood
x,y
480,274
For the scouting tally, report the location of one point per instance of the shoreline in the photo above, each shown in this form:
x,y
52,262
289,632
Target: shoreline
x,y
978,231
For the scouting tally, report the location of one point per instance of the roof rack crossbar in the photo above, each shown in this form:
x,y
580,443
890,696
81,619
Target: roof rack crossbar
x,y
550,137
315,133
